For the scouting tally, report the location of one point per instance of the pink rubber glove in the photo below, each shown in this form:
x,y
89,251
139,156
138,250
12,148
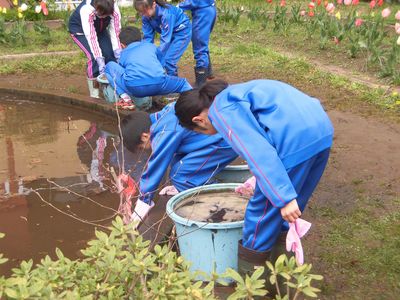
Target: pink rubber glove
x,y
127,188
169,190
247,188
296,231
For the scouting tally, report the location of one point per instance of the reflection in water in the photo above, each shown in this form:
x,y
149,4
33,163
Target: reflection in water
x,y
75,150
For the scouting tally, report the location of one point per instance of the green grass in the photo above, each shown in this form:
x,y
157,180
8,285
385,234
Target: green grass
x,y
43,64
362,248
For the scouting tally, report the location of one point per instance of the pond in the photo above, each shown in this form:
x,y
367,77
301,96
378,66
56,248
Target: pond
x,y
54,178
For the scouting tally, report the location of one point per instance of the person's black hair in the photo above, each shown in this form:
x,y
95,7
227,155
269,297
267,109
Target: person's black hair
x,y
129,34
132,127
104,7
192,103
139,4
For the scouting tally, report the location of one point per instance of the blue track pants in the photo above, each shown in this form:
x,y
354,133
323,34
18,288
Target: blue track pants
x,y
203,20
263,222
179,43
171,84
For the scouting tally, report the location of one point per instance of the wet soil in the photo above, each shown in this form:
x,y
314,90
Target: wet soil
x,y
213,207
366,150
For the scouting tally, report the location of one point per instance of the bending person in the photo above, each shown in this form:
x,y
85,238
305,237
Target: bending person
x,y
173,26
94,26
284,135
139,72
193,157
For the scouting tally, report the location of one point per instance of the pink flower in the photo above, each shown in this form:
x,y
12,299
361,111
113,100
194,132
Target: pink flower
x,y
372,4
397,28
380,2
386,12
311,5
336,40
283,3
347,2
311,13
355,2
330,8
339,1
397,16
358,22
302,13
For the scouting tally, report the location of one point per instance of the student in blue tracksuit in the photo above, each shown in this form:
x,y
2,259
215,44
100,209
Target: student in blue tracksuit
x,y
193,157
94,26
284,135
173,26
204,14
139,72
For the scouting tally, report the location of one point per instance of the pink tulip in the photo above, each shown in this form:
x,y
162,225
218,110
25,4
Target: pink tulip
x,y
397,16
302,13
397,28
372,4
358,22
339,1
355,2
347,2
311,5
386,12
380,2
336,40
330,8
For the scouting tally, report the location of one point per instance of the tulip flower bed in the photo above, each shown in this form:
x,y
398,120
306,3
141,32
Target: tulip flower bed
x,y
367,33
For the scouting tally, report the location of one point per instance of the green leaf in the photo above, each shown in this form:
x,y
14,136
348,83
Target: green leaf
x,y
308,292
257,273
59,254
11,293
231,273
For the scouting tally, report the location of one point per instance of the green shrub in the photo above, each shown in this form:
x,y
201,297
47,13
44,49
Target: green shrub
x,y
120,265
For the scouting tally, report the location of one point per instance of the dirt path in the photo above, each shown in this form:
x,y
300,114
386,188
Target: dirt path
x,y
364,171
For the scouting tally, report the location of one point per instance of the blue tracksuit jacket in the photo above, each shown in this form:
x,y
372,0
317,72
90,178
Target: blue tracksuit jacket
x,y
141,61
289,126
167,21
194,158
285,136
193,4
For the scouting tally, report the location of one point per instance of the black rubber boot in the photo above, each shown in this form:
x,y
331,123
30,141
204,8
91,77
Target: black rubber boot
x,y
250,260
201,76
210,71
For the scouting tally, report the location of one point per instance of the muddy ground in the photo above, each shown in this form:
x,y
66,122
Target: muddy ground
x,y
364,171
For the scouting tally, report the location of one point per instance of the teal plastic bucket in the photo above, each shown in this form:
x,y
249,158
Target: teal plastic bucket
x,y
233,173
210,247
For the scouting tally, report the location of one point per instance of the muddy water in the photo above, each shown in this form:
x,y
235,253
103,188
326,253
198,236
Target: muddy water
x,y
42,149
213,207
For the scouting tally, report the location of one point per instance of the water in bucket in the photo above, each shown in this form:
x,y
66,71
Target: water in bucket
x,y
213,207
